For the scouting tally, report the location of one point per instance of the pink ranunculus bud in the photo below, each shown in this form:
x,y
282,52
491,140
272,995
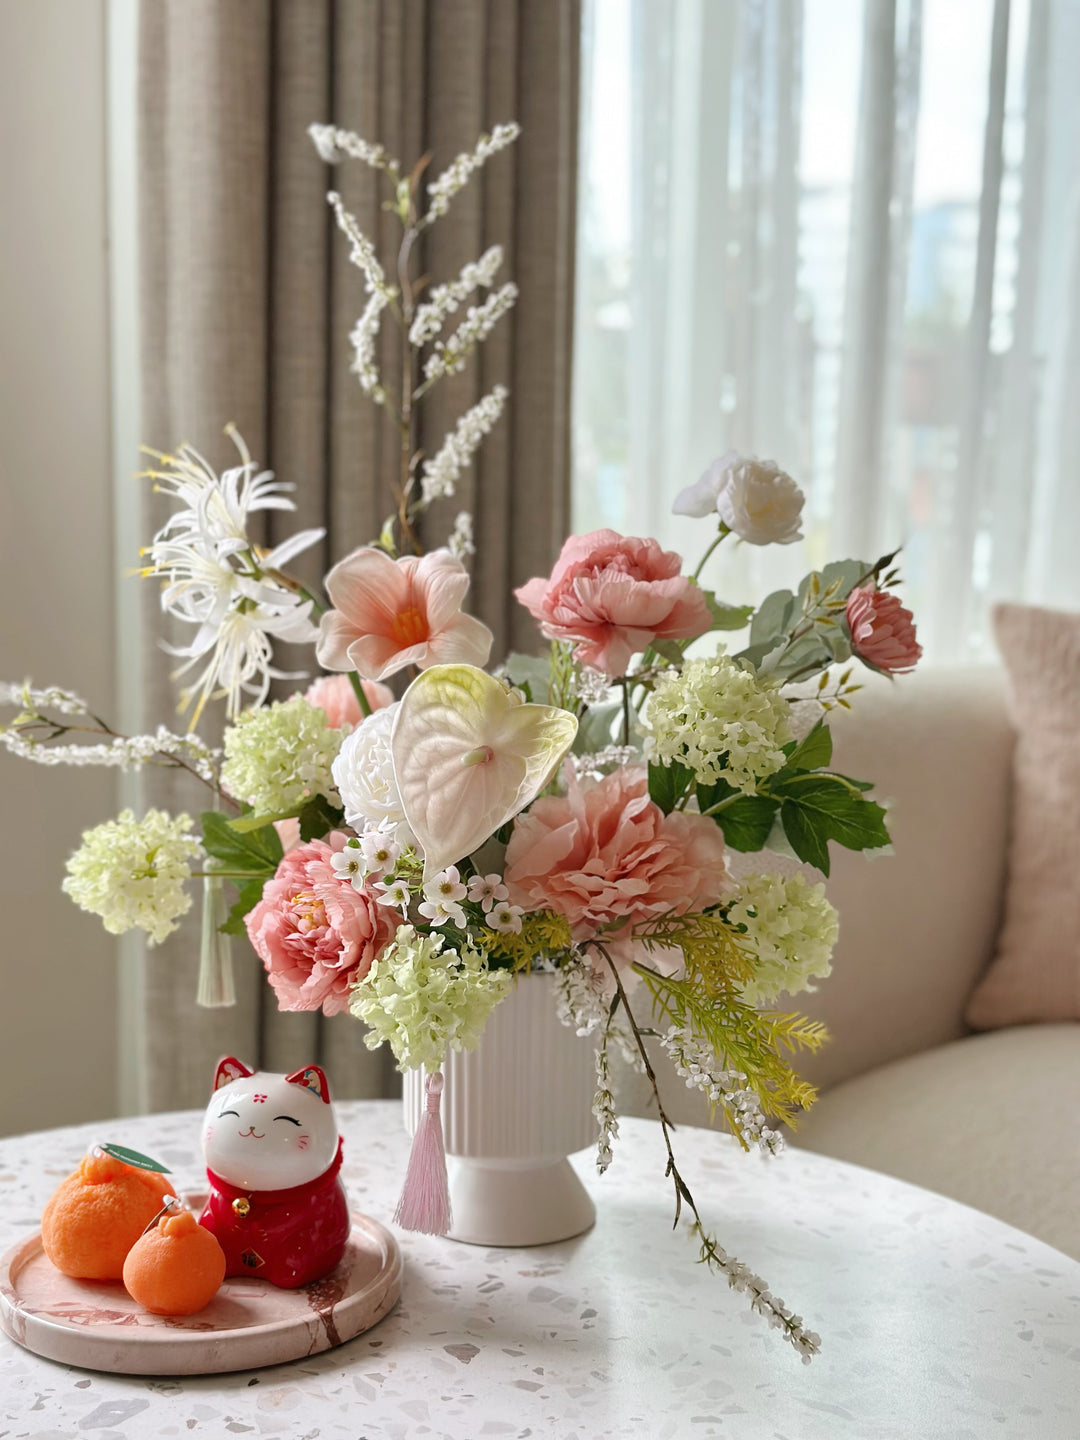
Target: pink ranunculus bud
x,y
615,595
336,698
882,631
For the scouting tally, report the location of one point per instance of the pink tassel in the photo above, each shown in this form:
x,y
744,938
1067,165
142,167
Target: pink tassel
x,y
425,1196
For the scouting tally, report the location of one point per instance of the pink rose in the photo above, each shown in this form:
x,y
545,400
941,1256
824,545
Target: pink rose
x,y
882,631
615,595
336,698
391,613
314,932
608,853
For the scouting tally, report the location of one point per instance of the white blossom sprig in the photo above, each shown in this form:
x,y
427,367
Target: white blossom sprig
x,y
444,300
603,1108
580,1002
362,251
696,1064
762,1301
480,320
33,701
335,145
364,335
457,175
122,752
462,543
597,763
439,476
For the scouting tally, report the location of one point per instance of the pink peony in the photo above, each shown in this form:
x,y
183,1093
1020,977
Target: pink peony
x,y
391,613
615,595
314,932
607,854
336,698
882,631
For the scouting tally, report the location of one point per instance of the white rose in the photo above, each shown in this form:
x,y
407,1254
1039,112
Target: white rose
x,y
364,772
755,499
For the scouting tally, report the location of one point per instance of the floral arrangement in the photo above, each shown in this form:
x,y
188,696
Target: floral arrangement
x,y
404,853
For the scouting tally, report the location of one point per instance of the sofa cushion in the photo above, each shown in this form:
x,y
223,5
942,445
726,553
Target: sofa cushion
x,y
985,1120
1036,972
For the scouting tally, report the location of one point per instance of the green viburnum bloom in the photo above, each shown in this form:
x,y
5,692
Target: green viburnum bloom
x,y
277,756
720,720
425,999
791,927
132,872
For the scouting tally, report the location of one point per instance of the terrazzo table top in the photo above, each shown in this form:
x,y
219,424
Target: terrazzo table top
x,y
938,1323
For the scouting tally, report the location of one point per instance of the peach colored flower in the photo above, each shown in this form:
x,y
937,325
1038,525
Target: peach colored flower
x,y
614,595
882,631
607,853
315,932
391,613
336,698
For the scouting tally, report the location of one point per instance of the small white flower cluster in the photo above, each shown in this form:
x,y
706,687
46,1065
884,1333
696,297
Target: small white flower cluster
x,y
722,721
762,1301
366,330
603,1107
461,542
580,1001
32,702
131,872
445,299
122,752
791,927
601,762
440,475
590,686
373,854
456,176
279,755
334,145
480,320
445,891
694,1062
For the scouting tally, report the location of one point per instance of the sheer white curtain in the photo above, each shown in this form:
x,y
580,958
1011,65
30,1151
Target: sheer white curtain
x,y
845,235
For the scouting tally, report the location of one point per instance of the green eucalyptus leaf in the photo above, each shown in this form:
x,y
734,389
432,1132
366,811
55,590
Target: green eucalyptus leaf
x,y
531,673
726,617
773,618
595,726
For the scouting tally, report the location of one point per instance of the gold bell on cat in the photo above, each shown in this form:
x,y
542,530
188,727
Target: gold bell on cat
x,y
241,1205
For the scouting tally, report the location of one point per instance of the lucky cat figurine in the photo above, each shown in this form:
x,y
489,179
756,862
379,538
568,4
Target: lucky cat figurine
x,y
276,1204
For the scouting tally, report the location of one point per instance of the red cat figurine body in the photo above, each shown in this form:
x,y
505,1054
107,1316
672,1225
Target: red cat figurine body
x,y
276,1204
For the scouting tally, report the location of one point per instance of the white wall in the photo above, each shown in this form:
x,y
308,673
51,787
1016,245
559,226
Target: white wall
x,y
58,968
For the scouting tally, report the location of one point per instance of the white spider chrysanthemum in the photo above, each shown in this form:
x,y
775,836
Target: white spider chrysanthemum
x,y
439,476
215,577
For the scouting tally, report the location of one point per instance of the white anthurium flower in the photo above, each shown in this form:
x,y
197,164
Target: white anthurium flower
x,y
468,756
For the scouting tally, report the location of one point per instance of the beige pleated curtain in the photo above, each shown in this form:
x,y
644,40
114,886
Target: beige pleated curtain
x,y
247,301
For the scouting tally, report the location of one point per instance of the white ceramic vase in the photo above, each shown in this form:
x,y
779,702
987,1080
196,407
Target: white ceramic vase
x,y
512,1111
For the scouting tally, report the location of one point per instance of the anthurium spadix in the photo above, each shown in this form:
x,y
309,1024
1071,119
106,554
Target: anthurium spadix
x,y
468,756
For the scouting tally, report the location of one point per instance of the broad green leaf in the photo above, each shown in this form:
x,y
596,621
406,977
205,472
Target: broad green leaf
x,y
245,824
254,853
806,835
318,817
773,617
815,750
668,783
469,756
136,1158
726,617
818,808
670,650
249,893
710,795
746,822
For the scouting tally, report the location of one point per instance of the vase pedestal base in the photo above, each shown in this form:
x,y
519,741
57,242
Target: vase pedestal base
x,y
517,1202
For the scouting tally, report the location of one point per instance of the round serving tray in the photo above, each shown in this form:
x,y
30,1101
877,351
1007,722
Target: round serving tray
x,y
96,1325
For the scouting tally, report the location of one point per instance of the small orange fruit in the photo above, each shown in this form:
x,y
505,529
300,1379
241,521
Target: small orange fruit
x,y
176,1268
95,1216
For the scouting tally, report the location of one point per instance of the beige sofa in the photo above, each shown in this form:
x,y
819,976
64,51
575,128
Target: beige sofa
x,y
906,1087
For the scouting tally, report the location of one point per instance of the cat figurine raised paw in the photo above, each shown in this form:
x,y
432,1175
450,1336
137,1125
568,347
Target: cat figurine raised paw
x,y
273,1153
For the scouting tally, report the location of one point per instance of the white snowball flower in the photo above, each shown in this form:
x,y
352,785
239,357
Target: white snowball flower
x,y
755,499
364,773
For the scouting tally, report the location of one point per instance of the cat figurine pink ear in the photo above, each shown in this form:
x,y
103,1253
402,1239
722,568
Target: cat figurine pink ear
x,y
273,1154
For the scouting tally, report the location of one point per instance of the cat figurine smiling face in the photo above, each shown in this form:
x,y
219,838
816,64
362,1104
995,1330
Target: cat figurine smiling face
x,y
269,1132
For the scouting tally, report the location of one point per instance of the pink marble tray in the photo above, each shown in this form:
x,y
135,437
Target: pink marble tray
x,y
97,1326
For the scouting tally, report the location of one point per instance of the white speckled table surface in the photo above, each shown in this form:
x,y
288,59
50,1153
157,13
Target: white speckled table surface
x,y
938,1323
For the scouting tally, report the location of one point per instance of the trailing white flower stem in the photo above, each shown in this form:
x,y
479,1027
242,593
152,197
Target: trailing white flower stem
x,y
738,1275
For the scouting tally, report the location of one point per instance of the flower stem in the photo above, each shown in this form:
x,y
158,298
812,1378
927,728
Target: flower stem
x,y
724,531
354,681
